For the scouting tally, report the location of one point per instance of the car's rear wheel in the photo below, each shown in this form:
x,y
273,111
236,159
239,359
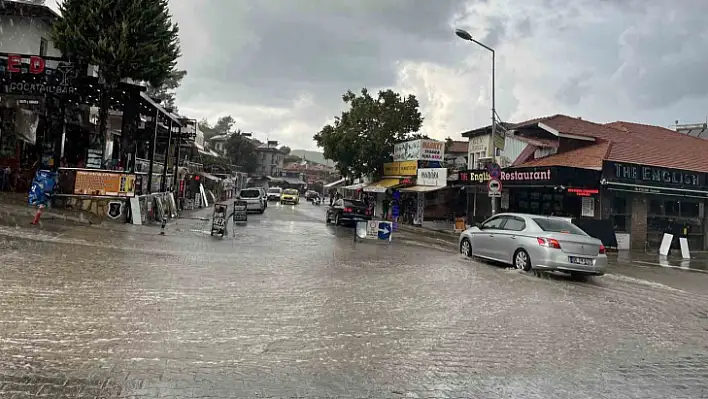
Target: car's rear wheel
x,y
466,247
522,260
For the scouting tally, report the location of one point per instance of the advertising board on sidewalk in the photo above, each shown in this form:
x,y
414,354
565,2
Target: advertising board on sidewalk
x,y
374,230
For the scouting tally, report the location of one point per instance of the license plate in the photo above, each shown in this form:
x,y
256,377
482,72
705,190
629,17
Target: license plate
x,y
580,261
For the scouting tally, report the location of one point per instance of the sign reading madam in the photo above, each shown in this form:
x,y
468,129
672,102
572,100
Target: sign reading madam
x,y
653,175
436,177
36,75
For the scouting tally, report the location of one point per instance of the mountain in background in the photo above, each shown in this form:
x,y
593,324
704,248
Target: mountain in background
x,y
314,156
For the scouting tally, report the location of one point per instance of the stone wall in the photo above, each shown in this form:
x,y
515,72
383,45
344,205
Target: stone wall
x,y
97,209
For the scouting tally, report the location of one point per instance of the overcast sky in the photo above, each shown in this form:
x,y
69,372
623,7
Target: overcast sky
x,y
279,67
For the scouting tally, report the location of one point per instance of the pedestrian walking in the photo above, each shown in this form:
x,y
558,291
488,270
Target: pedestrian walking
x,y
384,207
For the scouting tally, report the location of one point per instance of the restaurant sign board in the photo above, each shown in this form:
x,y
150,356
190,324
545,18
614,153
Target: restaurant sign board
x,y
526,175
652,175
104,183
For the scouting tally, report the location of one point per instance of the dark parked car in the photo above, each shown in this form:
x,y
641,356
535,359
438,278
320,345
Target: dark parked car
x,y
347,211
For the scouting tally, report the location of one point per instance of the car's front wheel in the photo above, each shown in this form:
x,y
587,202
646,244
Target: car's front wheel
x,y
466,247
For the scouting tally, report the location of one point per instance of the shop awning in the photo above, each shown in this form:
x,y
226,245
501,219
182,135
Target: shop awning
x,y
420,189
382,185
209,176
335,183
354,186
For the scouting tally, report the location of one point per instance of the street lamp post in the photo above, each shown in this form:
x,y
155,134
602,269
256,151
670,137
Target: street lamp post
x,y
463,34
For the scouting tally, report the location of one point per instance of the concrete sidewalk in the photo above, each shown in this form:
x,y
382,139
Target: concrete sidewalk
x,y
14,210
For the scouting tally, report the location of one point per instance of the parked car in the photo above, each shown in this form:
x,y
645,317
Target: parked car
x,y
347,211
290,196
255,199
534,242
274,193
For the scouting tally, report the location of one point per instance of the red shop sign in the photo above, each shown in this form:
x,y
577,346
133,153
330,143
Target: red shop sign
x,y
583,192
36,64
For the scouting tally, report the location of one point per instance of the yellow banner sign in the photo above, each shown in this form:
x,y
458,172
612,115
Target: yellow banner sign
x,y
401,168
104,183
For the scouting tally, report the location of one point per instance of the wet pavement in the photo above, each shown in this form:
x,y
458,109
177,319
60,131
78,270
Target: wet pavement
x,y
288,306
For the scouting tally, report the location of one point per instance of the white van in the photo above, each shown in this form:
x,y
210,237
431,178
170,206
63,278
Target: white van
x,y
274,193
254,199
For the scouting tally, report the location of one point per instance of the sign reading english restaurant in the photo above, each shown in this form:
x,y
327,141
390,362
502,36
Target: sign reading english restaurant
x,y
482,176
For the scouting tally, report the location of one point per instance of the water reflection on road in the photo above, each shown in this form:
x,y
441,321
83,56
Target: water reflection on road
x,y
288,306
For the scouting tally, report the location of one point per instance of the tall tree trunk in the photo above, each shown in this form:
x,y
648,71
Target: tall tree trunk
x,y
103,108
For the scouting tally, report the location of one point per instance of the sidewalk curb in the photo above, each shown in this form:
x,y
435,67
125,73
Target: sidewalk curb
x,y
426,231
20,211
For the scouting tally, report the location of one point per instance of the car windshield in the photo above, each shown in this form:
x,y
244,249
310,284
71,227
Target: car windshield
x,y
290,191
250,193
274,190
558,226
355,203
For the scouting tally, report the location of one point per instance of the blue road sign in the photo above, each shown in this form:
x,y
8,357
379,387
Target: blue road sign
x,y
385,230
494,171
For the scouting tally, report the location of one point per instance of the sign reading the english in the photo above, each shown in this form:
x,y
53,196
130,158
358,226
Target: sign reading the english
x,y
415,150
653,175
432,177
36,75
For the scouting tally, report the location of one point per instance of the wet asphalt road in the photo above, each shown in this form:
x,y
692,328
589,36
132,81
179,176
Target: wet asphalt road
x,y
290,307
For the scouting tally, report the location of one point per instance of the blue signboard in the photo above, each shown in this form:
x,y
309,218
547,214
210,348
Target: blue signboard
x,y
494,171
385,231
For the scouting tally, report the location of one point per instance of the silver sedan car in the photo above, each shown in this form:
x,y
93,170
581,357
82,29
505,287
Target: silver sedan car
x,y
542,243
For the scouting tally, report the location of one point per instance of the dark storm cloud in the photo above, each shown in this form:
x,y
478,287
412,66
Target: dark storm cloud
x,y
267,52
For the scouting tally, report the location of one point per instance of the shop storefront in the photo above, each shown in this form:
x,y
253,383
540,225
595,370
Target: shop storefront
x,y
644,202
426,196
379,194
556,190
46,123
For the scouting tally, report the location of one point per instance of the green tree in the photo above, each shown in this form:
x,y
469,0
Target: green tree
x,y
291,158
223,125
133,39
242,152
165,93
448,143
206,128
285,150
361,139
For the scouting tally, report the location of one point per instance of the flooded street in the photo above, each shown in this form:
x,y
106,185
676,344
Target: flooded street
x,y
288,306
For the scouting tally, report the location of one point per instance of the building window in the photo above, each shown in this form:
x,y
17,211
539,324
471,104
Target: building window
x,y
675,215
620,212
43,44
